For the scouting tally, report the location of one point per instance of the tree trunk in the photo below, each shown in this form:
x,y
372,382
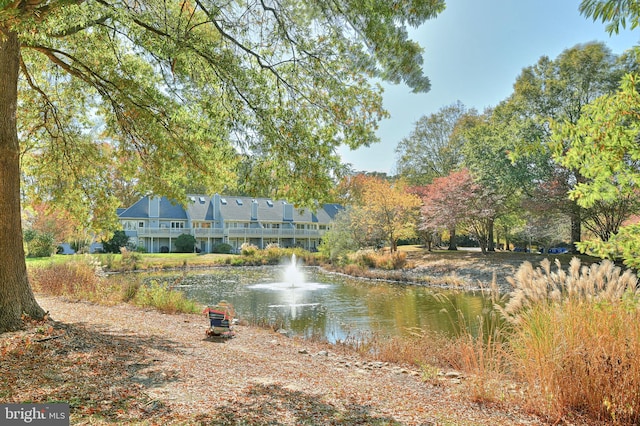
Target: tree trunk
x,y
16,297
491,245
576,227
452,239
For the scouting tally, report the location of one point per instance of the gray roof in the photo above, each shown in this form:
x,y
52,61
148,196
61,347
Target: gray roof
x,y
330,210
201,208
140,210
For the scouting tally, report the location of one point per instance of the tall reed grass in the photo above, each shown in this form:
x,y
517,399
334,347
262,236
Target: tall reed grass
x,y
85,280
575,340
164,299
379,260
476,349
78,280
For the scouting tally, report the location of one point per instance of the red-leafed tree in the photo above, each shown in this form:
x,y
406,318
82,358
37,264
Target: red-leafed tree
x,y
457,200
444,203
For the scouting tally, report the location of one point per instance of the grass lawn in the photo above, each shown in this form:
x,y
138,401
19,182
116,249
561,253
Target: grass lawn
x,y
146,260
46,261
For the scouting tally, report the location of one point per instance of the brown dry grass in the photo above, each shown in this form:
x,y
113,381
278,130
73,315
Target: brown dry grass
x,y
472,269
576,339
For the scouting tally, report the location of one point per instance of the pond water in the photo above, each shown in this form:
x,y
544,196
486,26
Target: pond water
x,y
309,302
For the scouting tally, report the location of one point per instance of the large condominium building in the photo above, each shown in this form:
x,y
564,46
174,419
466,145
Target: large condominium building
x,y
155,222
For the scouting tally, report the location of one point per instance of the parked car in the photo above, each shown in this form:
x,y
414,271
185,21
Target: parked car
x,y
558,250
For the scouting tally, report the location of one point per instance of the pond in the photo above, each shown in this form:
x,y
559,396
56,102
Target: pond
x,y
311,303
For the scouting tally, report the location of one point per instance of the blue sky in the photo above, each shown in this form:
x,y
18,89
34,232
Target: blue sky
x,y
474,51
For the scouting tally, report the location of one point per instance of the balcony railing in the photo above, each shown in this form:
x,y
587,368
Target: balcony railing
x,y
229,232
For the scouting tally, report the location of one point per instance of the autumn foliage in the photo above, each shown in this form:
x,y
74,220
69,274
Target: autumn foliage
x,y
384,211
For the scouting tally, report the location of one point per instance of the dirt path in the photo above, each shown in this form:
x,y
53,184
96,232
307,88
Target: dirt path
x,y
120,363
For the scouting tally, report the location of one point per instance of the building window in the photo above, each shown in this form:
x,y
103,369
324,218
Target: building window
x,y
140,224
177,225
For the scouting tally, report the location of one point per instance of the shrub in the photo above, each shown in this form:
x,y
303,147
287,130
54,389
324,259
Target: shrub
x,y
222,248
129,259
80,245
85,280
130,289
39,244
185,243
164,299
365,258
575,339
274,254
248,249
373,259
390,261
116,242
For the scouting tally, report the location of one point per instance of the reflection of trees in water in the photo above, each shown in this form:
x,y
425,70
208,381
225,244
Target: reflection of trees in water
x,y
429,309
346,307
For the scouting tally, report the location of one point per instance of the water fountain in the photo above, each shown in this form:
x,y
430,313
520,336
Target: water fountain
x,y
292,274
292,278
293,288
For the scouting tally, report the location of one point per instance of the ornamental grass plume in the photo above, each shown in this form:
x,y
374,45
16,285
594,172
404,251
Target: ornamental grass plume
x,y
574,338
599,282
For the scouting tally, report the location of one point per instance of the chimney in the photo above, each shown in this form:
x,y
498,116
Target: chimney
x,y
287,212
154,206
254,210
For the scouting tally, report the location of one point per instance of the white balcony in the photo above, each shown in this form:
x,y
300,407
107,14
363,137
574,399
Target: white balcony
x,y
229,232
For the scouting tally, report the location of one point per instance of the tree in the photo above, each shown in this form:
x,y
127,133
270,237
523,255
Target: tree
x,y
384,212
604,149
184,92
604,218
615,12
432,149
488,142
343,237
444,203
459,200
48,220
558,90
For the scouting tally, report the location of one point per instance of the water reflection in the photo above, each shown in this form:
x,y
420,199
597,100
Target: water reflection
x,y
332,306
